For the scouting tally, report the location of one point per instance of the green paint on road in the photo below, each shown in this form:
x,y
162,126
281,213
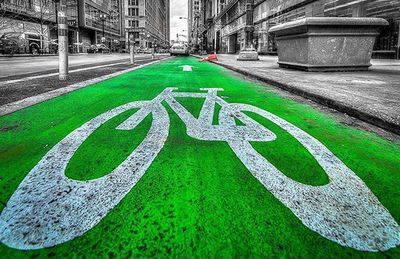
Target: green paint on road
x,y
197,199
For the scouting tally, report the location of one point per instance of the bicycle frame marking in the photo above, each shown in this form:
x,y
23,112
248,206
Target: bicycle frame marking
x,y
49,209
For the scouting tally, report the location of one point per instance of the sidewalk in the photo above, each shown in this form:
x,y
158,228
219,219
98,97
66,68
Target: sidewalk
x,y
372,96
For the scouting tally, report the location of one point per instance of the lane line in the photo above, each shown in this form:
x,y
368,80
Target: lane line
x,y
56,73
24,103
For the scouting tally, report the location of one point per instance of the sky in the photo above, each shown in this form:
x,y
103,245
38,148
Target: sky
x,y
179,8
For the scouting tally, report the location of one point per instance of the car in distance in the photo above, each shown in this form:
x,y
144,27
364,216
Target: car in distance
x,y
98,48
19,43
179,49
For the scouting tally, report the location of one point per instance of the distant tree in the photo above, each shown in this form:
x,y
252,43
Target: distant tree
x,y
3,20
45,16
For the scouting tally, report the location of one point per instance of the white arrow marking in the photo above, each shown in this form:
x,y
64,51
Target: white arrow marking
x,y
186,68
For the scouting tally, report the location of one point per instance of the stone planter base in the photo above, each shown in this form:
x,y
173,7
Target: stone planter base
x,y
327,43
322,68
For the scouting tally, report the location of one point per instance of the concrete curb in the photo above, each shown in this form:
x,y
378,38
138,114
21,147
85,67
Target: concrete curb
x,y
27,102
331,103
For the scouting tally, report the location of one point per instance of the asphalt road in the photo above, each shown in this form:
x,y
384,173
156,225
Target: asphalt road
x,y
12,66
23,86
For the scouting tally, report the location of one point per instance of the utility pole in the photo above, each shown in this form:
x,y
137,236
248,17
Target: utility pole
x,y
62,41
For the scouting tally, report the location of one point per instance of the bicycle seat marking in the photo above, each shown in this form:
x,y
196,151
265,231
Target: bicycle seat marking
x,y
49,209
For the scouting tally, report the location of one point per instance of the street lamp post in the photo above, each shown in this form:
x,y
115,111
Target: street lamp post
x,y
150,45
103,18
62,41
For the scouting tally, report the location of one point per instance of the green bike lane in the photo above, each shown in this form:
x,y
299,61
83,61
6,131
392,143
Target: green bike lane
x,y
196,199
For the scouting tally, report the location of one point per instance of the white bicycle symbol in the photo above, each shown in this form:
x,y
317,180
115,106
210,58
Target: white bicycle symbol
x,y
49,209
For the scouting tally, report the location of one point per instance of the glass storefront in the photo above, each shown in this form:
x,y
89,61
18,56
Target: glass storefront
x,y
387,44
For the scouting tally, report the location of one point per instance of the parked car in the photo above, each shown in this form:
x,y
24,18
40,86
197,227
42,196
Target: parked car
x,y
179,49
19,42
98,48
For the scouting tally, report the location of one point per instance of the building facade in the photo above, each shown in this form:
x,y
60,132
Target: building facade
x,y
100,22
29,21
225,21
109,22
146,22
195,23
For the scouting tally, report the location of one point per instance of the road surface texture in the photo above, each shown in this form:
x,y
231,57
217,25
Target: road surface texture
x,y
14,66
155,163
373,95
18,87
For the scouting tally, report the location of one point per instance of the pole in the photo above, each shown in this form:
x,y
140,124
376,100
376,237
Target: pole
x,y
398,44
62,41
249,29
132,49
152,51
103,19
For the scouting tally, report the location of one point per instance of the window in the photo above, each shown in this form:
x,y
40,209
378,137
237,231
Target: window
x,y
133,2
133,11
133,23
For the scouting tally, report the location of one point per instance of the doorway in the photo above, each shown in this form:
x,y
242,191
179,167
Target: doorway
x,y
232,43
218,42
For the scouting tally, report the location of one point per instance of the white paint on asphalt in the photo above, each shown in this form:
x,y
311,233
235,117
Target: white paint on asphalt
x,y
186,68
56,74
70,72
21,104
48,208
12,66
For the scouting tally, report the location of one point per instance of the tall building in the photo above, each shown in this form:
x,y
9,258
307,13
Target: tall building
x,y
100,22
167,37
147,22
89,22
195,24
225,21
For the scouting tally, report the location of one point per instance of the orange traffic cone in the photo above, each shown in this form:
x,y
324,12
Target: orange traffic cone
x,y
211,57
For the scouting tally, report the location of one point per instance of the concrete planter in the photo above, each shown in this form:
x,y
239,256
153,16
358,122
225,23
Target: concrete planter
x,y
327,43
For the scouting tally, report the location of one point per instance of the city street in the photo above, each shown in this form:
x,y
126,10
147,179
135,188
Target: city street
x,y
182,158
15,66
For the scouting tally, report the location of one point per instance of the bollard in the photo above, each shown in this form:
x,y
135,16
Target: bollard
x,y
62,41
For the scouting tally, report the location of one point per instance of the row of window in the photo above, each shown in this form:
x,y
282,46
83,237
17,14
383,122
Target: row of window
x,y
133,11
133,2
133,23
